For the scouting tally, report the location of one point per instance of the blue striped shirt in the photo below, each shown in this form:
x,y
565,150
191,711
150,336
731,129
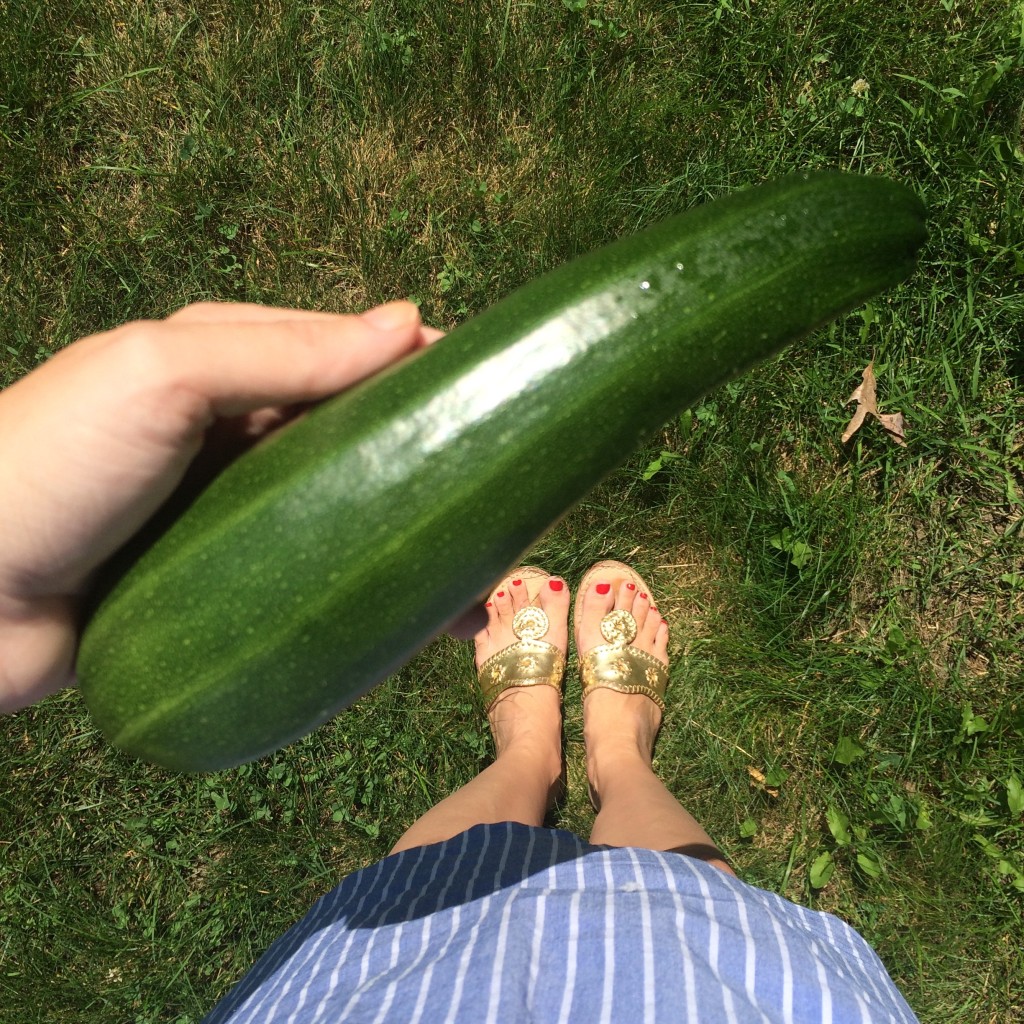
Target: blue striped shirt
x,y
512,923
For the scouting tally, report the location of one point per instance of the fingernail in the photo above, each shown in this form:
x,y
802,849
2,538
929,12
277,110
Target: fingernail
x,y
631,586
555,584
603,588
392,316
516,583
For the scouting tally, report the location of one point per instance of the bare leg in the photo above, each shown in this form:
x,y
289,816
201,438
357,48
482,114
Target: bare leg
x,y
636,809
526,723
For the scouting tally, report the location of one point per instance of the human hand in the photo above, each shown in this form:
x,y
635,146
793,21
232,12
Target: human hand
x,y
96,439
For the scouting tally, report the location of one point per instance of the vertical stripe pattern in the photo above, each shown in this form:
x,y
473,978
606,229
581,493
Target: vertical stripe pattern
x,y
506,922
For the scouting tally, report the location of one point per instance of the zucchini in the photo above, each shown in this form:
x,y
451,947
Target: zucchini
x,y
320,561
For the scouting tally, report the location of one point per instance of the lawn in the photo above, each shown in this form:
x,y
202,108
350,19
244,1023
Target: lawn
x,y
846,712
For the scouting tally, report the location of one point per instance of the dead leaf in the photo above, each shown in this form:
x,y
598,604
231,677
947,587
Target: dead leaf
x,y
758,780
867,405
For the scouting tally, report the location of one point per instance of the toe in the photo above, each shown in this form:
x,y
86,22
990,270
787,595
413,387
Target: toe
x,y
491,611
639,608
482,639
494,636
554,599
502,601
597,600
652,635
518,592
648,625
660,648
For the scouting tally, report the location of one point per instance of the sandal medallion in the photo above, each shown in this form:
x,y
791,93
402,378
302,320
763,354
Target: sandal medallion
x,y
530,623
619,627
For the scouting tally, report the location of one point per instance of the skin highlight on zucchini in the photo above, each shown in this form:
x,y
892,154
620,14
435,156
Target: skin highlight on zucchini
x,y
323,559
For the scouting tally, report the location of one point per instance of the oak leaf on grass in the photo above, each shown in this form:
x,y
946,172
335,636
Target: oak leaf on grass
x,y
867,405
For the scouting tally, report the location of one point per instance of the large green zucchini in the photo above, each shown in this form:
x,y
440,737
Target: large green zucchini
x,y
320,561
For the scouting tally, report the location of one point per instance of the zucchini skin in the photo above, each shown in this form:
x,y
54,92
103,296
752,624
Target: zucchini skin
x,y
320,561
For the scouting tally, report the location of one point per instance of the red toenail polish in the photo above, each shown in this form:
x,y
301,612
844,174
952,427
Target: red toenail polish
x,y
631,586
516,583
500,593
603,588
644,596
555,584
488,605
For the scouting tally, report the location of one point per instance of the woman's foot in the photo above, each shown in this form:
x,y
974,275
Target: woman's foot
x,y
527,718
617,726
525,779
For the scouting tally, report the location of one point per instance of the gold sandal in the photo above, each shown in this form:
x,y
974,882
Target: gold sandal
x,y
614,664
531,660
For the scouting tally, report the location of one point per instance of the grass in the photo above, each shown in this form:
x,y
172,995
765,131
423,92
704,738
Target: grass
x,y
846,711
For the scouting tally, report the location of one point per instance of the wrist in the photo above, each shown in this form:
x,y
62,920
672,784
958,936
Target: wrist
x,y
38,639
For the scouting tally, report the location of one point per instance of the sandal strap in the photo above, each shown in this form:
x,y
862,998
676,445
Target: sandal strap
x,y
524,663
617,666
